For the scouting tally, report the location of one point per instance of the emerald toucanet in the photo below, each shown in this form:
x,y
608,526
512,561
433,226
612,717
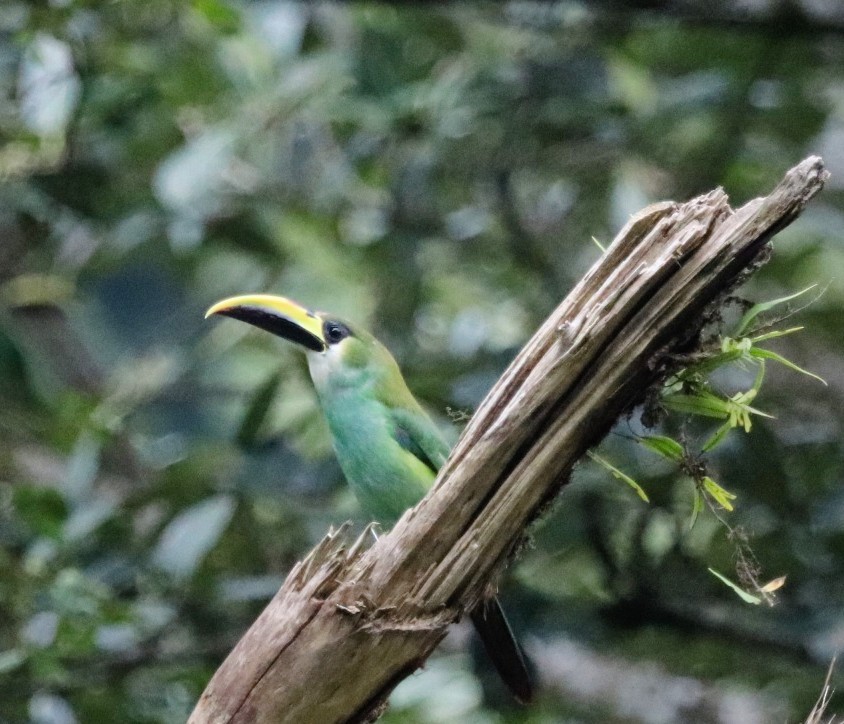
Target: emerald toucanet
x,y
387,446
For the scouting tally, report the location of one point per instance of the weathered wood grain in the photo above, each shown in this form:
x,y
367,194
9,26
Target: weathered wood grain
x,y
350,623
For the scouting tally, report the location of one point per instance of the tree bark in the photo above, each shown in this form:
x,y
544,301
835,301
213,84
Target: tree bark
x,y
351,622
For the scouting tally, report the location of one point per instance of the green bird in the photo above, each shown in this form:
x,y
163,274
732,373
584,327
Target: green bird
x,y
387,446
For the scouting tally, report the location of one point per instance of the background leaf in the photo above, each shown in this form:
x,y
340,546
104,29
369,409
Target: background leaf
x,y
435,173
189,537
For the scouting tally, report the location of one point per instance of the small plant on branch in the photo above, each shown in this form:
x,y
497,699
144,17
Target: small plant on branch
x,y
690,392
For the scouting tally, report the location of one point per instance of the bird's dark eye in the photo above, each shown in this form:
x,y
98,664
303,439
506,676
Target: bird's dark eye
x,y
335,332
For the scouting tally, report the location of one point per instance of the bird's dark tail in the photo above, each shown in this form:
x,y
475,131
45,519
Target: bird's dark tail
x,y
502,647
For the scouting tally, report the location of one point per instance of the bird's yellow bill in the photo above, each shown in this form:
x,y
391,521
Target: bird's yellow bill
x,y
278,315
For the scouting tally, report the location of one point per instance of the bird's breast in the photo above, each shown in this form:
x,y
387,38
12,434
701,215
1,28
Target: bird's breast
x,y
386,478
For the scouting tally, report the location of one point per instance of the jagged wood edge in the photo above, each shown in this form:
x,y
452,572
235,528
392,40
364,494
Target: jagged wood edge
x,y
349,623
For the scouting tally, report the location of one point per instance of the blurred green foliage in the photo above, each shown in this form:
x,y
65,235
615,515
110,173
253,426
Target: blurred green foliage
x,y
435,172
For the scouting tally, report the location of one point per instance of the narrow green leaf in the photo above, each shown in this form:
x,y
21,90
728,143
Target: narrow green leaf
x,y
662,445
742,594
768,354
719,494
620,475
739,403
758,309
715,361
599,245
704,404
776,333
753,411
757,383
717,437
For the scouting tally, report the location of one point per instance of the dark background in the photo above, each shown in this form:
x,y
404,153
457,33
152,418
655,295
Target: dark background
x,y
437,173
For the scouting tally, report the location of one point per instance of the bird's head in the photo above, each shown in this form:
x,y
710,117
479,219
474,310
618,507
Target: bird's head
x,y
338,352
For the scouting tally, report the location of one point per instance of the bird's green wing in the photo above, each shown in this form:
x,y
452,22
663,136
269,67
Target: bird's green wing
x,y
417,434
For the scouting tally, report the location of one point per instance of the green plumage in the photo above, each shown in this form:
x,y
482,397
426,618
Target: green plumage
x,y
388,447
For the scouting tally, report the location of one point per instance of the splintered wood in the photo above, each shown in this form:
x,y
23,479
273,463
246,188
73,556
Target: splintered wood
x,y
351,622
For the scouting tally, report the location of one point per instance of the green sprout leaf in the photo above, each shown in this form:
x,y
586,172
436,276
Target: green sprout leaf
x,y
740,345
762,307
620,475
740,411
767,354
666,446
720,495
740,592
775,334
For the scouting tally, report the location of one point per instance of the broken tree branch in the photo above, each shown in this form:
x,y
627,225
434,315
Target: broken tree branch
x,y
349,624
